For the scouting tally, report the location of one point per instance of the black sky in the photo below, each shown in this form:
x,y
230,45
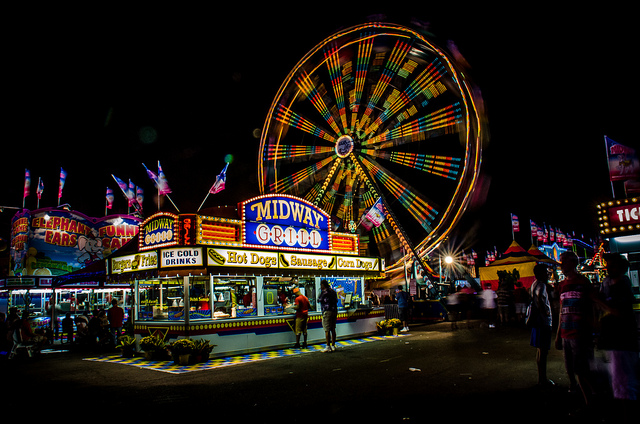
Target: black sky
x,y
80,85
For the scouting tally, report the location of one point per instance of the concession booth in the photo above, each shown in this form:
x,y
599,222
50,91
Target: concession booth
x,y
50,245
229,279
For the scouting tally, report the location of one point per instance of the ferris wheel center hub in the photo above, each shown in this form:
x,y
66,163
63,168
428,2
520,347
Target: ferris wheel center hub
x,y
344,146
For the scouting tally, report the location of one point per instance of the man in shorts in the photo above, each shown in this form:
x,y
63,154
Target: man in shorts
x,y
575,328
541,321
301,305
329,303
403,307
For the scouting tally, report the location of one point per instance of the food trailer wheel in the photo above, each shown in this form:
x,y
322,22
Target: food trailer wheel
x,y
377,111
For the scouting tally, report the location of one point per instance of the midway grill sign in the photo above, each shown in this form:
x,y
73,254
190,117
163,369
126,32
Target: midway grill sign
x,y
281,221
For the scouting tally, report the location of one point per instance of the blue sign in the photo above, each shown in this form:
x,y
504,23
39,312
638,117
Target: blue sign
x,y
285,221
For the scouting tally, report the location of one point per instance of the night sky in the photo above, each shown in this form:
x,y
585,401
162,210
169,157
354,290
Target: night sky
x,y
99,92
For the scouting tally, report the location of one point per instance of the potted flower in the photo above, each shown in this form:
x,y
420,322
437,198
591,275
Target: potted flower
x,y
202,350
394,325
381,326
181,349
127,345
153,347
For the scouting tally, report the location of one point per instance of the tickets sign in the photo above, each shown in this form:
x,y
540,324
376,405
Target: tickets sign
x,y
277,220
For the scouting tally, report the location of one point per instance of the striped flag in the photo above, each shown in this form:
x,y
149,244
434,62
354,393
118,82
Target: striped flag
x,y
375,216
63,178
109,198
221,180
515,223
40,188
27,183
163,185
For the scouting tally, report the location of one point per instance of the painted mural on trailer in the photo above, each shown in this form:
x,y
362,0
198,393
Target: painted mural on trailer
x,y
56,241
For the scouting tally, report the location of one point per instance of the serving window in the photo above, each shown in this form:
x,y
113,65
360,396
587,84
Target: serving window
x,y
227,297
160,299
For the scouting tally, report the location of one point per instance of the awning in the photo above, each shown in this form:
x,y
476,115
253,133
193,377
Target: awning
x,y
95,271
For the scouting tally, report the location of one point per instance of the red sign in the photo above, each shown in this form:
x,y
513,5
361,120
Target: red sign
x,y
625,215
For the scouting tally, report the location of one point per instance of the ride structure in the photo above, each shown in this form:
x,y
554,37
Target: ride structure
x,y
377,112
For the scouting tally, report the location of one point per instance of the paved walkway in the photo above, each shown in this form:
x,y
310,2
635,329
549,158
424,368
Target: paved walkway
x,y
170,367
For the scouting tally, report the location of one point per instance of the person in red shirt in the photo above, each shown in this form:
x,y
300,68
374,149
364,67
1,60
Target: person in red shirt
x,y
575,329
115,315
301,305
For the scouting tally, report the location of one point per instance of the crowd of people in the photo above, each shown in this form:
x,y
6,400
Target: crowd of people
x,y
100,329
576,316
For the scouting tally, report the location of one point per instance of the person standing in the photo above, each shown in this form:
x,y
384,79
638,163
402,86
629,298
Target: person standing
x,y
488,298
575,329
540,321
301,305
618,329
402,297
67,328
115,315
329,304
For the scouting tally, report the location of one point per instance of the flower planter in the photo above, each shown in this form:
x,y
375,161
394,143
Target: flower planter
x,y
183,359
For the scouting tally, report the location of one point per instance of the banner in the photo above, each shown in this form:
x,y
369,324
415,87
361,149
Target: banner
x,y
515,224
63,178
55,241
375,216
623,161
27,182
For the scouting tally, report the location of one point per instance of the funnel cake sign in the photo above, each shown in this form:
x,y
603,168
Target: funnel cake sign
x,y
281,221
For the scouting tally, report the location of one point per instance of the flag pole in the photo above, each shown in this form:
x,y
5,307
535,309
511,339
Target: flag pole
x,y
174,205
205,199
606,149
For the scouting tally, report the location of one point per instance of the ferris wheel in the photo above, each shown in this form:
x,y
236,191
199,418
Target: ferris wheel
x,y
376,111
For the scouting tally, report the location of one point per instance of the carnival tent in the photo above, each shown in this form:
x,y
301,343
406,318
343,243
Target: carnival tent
x,y
540,256
514,258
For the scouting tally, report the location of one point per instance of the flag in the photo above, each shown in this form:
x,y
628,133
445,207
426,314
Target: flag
x,y
221,180
27,183
131,193
109,197
63,177
151,174
534,229
121,184
375,216
515,224
40,188
139,196
159,179
623,161
163,185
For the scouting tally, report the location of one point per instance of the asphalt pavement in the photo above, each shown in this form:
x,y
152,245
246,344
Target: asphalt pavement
x,y
433,373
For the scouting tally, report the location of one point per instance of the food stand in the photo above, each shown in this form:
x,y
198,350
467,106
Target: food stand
x,y
50,245
229,280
